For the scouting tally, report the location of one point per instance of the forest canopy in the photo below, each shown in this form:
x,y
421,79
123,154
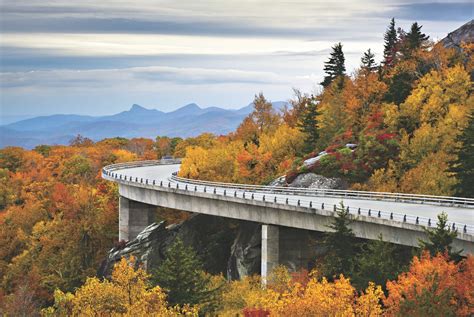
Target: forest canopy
x,y
409,121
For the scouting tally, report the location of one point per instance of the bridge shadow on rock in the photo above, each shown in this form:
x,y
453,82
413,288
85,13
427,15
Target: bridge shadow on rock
x,y
226,246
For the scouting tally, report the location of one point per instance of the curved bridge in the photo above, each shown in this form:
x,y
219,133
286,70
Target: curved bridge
x,y
400,218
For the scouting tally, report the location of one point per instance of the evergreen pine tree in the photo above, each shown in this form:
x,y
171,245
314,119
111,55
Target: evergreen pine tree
x,y
334,67
464,165
368,61
378,262
415,39
341,244
441,238
181,275
390,45
309,124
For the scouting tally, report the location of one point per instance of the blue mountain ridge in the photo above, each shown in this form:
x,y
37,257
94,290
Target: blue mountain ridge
x,y
189,120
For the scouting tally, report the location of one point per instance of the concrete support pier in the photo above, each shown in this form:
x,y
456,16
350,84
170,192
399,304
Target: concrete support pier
x,y
270,250
134,217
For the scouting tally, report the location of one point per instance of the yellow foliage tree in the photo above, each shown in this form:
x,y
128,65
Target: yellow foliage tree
x,y
431,176
430,119
286,297
126,294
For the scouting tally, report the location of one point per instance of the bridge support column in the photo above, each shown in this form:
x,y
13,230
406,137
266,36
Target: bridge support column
x,y
270,250
133,218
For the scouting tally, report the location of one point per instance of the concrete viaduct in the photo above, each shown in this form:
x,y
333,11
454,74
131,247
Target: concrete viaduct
x,y
400,218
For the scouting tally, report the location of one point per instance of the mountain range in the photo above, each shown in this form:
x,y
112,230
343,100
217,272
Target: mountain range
x,y
190,120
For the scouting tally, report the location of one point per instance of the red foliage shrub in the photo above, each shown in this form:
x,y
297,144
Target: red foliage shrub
x,y
385,136
291,176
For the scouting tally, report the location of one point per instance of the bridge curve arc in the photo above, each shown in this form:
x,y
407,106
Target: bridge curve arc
x,y
309,199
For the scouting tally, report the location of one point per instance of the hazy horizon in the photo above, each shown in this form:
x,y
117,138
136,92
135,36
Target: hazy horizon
x,y
91,58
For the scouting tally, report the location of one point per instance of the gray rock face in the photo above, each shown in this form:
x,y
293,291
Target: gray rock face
x,y
245,255
224,245
211,237
311,180
280,181
464,34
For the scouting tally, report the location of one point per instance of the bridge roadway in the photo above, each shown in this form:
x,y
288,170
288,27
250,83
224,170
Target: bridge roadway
x,y
400,218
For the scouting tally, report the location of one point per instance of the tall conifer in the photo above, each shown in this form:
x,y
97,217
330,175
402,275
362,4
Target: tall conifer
x,y
464,165
390,45
415,38
309,124
181,275
341,244
335,66
368,61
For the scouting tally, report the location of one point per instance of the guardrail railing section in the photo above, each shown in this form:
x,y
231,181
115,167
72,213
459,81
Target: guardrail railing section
x,y
283,195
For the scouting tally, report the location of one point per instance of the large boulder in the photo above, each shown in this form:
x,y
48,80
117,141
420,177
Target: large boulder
x,y
312,180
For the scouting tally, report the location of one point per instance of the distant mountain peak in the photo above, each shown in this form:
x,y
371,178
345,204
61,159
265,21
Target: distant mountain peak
x,y
138,108
191,106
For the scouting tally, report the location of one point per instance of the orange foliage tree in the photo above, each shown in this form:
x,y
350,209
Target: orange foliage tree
x,y
433,286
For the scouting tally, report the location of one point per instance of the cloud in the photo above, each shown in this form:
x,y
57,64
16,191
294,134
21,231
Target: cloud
x,y
140,76
264,18
435,11
93,54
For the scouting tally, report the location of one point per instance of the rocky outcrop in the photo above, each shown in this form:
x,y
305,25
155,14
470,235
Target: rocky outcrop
x,y
280,181
211,237
464,34
312,180
245,254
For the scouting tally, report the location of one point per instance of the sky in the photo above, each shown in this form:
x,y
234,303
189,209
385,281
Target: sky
x,y
100,57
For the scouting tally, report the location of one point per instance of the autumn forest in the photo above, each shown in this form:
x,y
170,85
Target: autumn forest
x,y
411,121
